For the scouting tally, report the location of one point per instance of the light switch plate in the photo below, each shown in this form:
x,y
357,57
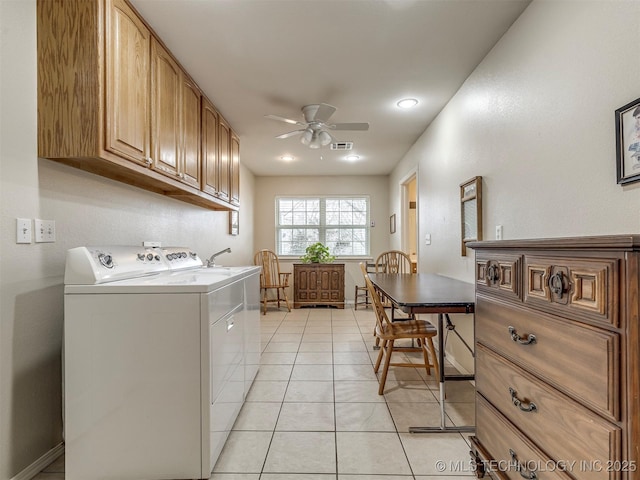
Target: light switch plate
x,y
45,231
24,232
498,232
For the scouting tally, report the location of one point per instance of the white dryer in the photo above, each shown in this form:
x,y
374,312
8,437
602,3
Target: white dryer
x,y
159,355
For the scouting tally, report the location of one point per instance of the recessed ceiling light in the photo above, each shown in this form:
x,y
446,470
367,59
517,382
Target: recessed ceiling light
x,y
407,103
287,158
352,158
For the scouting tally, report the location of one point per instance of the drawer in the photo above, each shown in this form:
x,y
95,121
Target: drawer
x,y
513,456
562,428
499,274
579,289
579,360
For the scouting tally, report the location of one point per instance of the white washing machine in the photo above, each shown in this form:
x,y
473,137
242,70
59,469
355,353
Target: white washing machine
x,y
159,355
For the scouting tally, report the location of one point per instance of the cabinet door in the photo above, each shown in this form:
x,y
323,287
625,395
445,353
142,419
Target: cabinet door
x,y
165,110
127,131
235,169
190,164
224,151
209,148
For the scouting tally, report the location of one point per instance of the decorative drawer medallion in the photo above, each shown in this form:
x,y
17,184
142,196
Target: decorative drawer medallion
x,y
546,416
581,289
499,274
513,456
579,360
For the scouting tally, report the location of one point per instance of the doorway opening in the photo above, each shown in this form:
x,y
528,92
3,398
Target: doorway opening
x,y
409,189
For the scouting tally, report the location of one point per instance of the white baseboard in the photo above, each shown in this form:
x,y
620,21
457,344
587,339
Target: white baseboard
x,y
452,360
40,464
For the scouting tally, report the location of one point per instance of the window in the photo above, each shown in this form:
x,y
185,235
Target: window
x,y
341,223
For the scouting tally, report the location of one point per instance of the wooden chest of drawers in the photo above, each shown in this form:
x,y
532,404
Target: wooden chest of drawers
x,y
318,284
558,358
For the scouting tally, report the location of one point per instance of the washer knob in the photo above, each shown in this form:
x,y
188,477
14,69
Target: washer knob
x,y
157,257
149,256
141,256
105,260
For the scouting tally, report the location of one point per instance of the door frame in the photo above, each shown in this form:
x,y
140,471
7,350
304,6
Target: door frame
x,y
409,177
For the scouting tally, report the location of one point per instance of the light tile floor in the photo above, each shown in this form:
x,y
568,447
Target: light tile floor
x,y
314,413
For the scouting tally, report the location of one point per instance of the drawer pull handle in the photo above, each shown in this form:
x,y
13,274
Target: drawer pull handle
x,y
524,473
527,339
556,284
493,273
530,407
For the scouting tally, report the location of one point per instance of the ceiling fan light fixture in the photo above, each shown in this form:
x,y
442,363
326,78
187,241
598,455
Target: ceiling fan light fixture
x,y
287,158
306,137
406,103
352,158
324,138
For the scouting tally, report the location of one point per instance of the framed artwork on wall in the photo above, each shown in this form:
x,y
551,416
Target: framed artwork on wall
x,y
234,223
628,143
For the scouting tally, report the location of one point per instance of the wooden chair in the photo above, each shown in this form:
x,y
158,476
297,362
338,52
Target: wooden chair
x,y
271,279
393,261
362,292
389,332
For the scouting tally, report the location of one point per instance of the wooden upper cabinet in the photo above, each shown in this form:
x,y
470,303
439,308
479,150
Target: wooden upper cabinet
x,y
235,170
224,154
190,155
165,110
113,101
127,86
209,148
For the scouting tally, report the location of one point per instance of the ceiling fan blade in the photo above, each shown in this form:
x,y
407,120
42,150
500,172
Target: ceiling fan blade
x,y
323,113
288,120
290,134
349,126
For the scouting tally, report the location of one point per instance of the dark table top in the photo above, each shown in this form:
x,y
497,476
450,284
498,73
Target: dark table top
x,y
426,292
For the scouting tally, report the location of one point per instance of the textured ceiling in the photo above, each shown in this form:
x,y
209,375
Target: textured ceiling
x,y
259,57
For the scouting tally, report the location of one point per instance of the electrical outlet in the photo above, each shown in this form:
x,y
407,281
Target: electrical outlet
x,y
498,232
45,231
23,230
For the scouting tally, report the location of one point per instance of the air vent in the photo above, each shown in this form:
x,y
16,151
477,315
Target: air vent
x,y
342,146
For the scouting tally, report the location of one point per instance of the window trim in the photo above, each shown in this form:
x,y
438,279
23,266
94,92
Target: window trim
x,y
322,225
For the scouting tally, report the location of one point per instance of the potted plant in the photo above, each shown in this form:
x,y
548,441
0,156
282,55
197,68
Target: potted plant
x,y
317,253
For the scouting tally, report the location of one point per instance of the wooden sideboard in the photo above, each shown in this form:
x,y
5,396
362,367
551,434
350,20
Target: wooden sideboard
x,y
557,358
318,284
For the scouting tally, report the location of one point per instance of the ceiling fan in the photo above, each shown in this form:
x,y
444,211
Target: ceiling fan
x,y
315,127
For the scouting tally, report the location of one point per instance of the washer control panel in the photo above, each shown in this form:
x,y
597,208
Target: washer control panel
x,y
179,258
101,264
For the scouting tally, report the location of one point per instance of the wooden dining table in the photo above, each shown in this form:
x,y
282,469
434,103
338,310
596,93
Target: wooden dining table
x,y
435,294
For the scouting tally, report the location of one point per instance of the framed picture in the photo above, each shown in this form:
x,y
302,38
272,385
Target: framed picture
x,y
392,223
628,143
470,211
234,224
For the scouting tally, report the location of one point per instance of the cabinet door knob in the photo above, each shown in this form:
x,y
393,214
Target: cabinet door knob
x,y
493,273
524,473
556,284
525,407
526,339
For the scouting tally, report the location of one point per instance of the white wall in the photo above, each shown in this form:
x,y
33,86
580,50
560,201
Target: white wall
x,y
536,121
267,188
88,210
